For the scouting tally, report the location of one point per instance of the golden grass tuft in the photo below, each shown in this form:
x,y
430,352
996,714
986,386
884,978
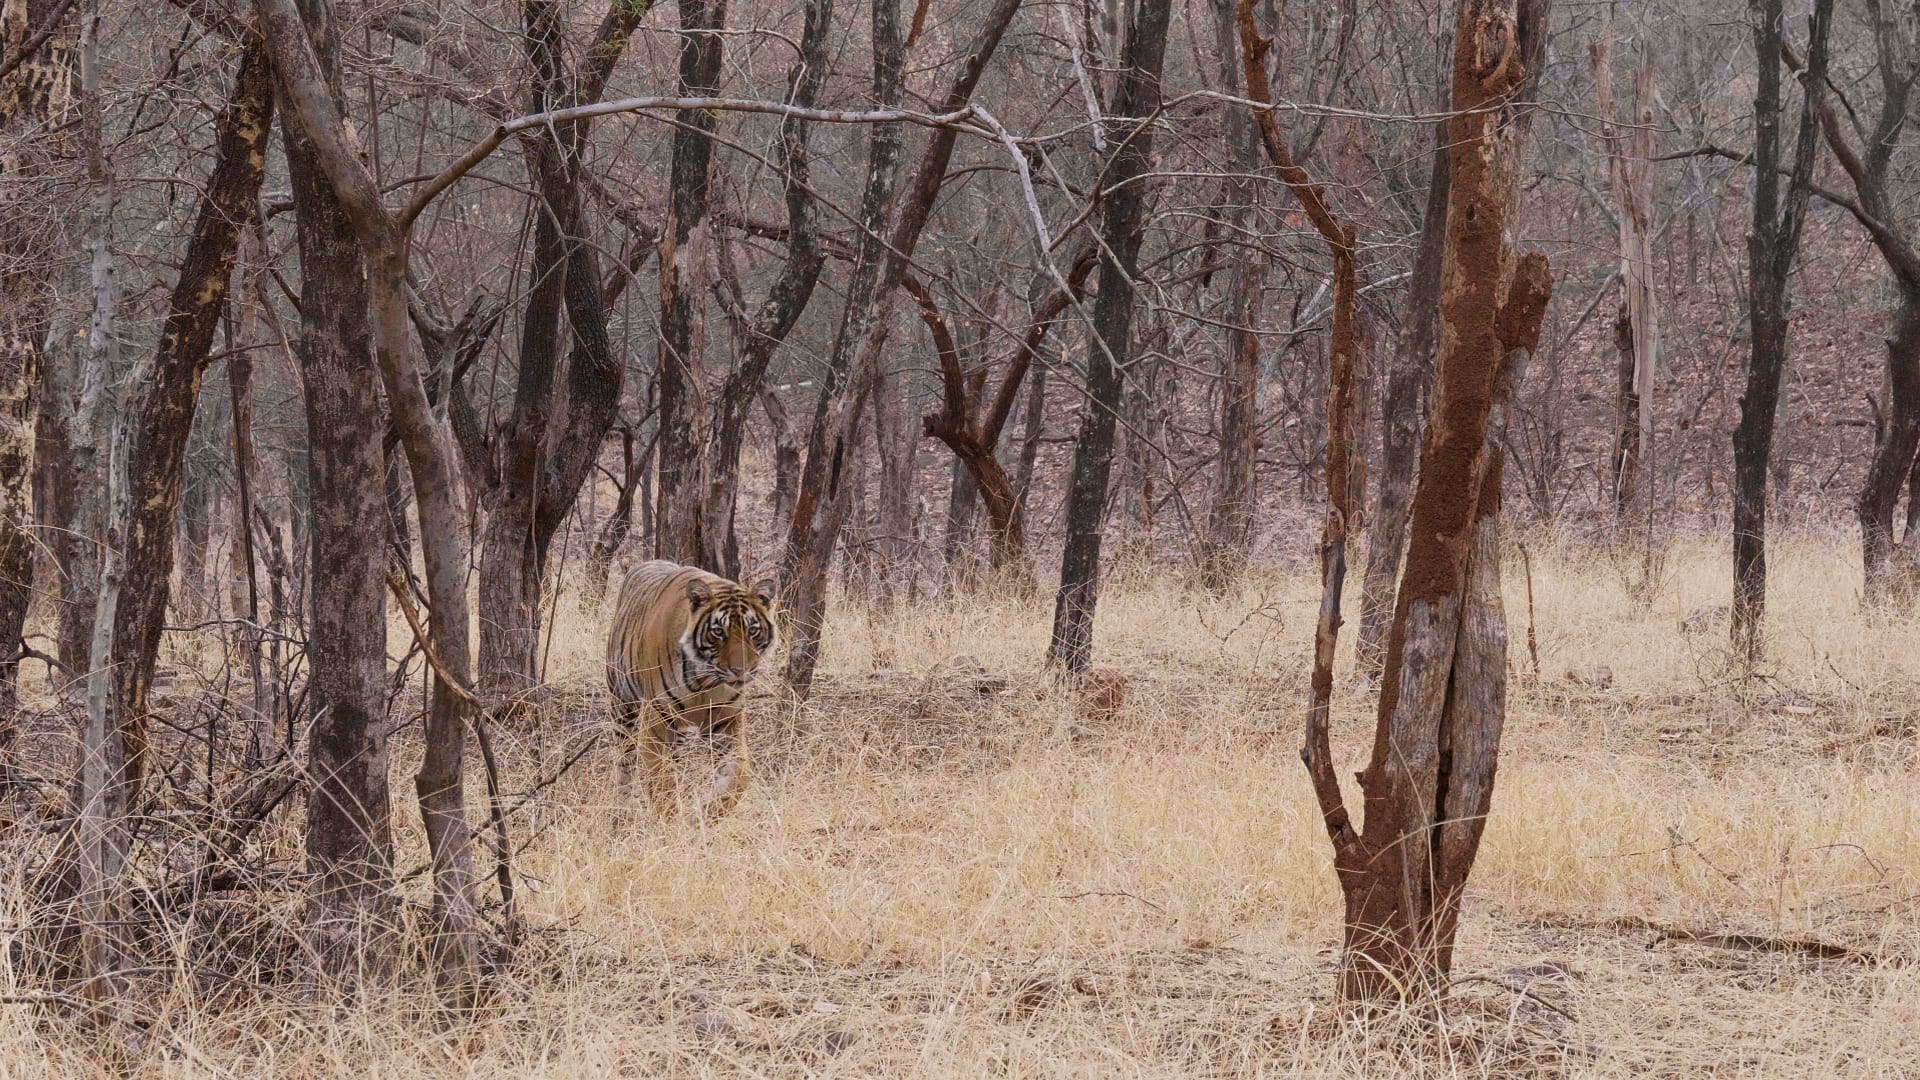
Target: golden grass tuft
x,y
947,877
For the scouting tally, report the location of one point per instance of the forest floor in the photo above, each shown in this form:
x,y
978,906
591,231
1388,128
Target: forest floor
x,y
945,869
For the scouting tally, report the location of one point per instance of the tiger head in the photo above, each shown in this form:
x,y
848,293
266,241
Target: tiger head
x,y
729,631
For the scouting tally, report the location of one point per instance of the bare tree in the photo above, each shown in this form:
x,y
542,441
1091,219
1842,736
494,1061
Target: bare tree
x,y
1443,697
887,243
786,299
1630,165
1123,205
1230,524
1869,166
312,108
1772,244
971,424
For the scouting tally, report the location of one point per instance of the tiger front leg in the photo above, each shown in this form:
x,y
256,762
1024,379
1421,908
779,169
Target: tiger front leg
x,y
628,717
732,774
656,763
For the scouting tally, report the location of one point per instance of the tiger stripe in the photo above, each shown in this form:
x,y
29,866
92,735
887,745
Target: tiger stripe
x,y
682,648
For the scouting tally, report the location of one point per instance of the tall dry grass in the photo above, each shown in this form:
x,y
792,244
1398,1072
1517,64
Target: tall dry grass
x,y
928,880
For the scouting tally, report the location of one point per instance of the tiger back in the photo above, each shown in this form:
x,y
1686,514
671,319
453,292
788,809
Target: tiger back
x,y
683,646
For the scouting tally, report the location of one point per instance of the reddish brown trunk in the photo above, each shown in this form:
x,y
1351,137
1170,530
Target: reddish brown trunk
x,y
1436,744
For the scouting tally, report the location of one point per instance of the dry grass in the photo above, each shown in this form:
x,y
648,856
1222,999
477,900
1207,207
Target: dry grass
x,y
932,881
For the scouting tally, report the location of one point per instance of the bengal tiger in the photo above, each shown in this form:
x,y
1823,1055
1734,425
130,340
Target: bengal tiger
x,y
683,646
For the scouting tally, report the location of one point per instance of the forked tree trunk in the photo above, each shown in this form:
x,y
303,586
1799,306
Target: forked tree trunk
x,y
557,425
825,484
880,266
440,783
1772,244
1868,164
349,809
786,300
1111,345
971,426
1429,784
1403,414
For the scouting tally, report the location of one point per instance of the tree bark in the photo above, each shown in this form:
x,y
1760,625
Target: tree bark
x,y
1403,410
787,298
1429,783
1772,244
1121,233
1637,337
824,481
1897,420
820,507
439,784
684,241
29,98
533,476
160,422
971,425
1229,535
349,807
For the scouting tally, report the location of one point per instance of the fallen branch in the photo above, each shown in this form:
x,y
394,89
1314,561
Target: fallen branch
x,y
1764,943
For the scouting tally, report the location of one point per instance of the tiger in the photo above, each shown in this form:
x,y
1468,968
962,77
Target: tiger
x,y
682,648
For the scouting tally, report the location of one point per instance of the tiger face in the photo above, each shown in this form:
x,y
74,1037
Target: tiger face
x,y
729,630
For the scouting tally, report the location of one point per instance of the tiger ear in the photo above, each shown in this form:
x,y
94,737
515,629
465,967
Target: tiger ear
x,y
763,590
698,593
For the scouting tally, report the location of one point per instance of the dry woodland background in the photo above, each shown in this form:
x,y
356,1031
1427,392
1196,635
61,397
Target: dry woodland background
x,y
1506,409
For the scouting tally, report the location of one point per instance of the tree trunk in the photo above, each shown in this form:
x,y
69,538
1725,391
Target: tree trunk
x,y
159,424
1033,428
349,809
898,444
1403,412
619,523
956,548
1637,334
786,462
1229,535
440,782
880,266
34,93
684,241
824,485
1429,784
1121,229
1896,437
1772,245
786,300
555,433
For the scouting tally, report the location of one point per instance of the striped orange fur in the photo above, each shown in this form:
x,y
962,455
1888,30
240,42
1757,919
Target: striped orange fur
x,y
682,649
